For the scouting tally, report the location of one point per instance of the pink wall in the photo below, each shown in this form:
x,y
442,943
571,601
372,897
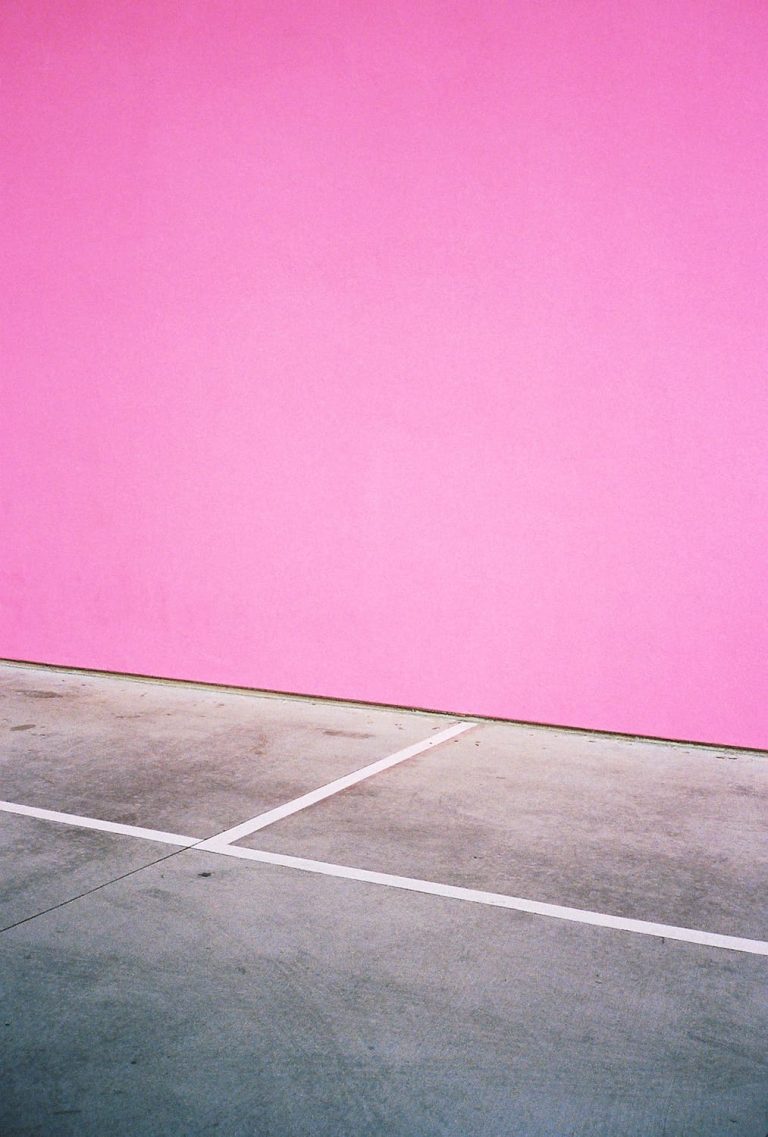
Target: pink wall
x,y
401,350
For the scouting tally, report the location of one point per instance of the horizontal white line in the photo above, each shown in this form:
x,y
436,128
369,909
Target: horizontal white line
x,y
96,823
494,899
281,811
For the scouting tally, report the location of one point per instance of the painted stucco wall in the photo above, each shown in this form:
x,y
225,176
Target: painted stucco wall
x,y
399,350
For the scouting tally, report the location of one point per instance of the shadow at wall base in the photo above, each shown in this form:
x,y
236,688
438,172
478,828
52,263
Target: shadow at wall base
x,y
458,712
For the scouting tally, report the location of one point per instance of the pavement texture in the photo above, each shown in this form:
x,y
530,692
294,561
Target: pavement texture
x,y
664,833
147,989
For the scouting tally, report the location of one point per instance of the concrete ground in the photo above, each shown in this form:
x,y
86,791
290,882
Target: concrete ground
x,y
150,987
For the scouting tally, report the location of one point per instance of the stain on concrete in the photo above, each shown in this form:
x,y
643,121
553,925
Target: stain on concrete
x,y
347,734
159,893
24,726
39,694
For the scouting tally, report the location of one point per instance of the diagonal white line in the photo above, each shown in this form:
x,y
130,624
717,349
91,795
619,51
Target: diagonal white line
x,y
410,884
281,811
96,823
494,899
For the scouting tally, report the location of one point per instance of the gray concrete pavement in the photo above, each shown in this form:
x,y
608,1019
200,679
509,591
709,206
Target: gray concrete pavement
x,y
163,992
181,758
665,833
44,864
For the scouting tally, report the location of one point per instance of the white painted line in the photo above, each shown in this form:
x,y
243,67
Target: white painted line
x,y
277,814
450,891
494,899
96,823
